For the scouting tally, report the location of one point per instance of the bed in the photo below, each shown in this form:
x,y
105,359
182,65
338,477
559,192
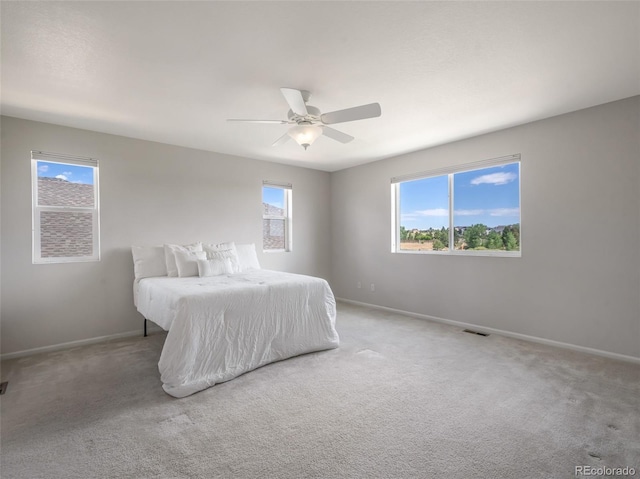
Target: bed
x,y
222,326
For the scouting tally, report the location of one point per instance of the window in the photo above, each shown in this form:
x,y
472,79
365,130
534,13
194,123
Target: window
x,y
276,216
474,209
65,208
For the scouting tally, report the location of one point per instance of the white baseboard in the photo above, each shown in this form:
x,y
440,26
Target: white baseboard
x,y
70,344
500,332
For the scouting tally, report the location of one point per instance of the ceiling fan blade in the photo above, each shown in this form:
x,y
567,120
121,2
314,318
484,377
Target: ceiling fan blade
x,y
282,140
350,114
295,100
336,135
279,122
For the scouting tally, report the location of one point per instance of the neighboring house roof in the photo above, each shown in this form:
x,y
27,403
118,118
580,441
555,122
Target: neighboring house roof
x,y
59,192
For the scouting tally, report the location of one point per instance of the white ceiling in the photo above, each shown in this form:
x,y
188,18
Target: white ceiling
x,y
173,72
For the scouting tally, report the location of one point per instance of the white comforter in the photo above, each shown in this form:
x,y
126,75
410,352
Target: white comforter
x,y
222,326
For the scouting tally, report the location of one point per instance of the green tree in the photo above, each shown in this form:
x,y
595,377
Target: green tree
x,y
443,236
403,233
437,245
515,231
474,236
511,244
494,241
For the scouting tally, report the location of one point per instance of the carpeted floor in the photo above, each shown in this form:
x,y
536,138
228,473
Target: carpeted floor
x,y
400,398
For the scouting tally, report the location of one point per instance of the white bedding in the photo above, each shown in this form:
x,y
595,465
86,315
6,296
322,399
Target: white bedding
x,y
222,326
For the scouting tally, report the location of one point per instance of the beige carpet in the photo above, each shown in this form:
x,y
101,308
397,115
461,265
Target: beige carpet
x,y
401,398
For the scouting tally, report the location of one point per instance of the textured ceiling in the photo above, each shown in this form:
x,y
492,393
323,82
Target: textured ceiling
x,y
173,72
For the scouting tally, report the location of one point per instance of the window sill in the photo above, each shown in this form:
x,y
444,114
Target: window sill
x,y
499,254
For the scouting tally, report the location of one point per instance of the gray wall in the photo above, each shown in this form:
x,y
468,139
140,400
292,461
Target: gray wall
x,y
578,280
150,193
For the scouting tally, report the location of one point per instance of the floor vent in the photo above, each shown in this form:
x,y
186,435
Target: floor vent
x,y
476,332
3,387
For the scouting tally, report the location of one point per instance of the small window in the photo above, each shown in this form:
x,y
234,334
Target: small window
x,y
276,216
65,208
472,210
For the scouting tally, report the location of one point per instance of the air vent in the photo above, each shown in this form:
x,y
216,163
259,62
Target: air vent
x,y
3,387
476,332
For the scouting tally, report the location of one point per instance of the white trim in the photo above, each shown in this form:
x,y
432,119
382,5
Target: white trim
x,y
277,184
287,208
73,344
477,165
500,332
62,158
395,215
496,253
37,209
450,173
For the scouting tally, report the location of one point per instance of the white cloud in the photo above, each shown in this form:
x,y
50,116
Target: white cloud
x,y
43,168
495,179
67,173
505,212
61,177
491,212
468,212
416,215
432,212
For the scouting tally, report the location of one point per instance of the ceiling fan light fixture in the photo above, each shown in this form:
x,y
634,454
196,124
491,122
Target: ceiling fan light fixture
x,y
305,135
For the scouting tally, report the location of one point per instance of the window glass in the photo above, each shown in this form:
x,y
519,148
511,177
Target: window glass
x,y
486,211
60,184
66,234
424,214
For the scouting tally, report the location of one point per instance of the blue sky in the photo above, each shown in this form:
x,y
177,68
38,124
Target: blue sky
x,y
273,196
72,173
490,196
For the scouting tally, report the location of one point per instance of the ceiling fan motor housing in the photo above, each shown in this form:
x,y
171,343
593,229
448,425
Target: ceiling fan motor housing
x,y
312,116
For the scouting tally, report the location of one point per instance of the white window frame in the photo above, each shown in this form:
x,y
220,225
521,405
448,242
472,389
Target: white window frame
x,y
450,172
287,217
38,209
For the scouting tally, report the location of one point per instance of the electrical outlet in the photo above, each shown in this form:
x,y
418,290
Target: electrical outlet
x,y
373,287
359,285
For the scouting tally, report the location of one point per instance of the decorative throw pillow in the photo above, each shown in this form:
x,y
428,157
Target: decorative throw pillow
x,y
187,262
169,255
214,267
223,250
247,257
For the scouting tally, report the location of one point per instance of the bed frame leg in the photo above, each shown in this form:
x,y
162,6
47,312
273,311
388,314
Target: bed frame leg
x,y
145,327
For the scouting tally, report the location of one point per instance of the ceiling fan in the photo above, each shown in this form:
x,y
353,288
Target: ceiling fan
x,y
310,123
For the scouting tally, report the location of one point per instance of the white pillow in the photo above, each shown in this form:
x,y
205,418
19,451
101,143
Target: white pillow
x,y
148,261
169,255
229,256
187,262
214,267
223,250
247,257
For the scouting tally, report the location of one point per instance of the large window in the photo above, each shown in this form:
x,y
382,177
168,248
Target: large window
x,y
65,208
473,209
276,216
